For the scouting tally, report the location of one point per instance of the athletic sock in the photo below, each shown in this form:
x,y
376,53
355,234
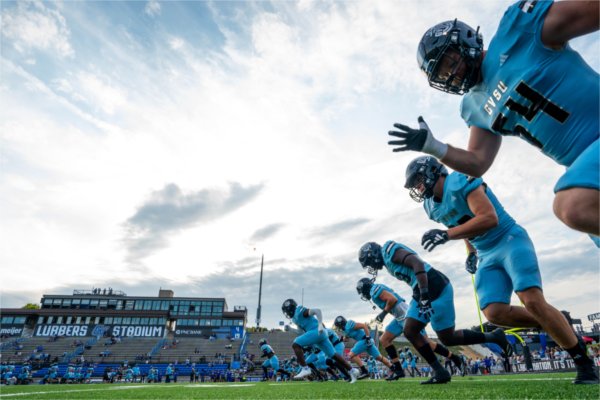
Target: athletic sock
x,y
363,370
428,355
579,353
442,350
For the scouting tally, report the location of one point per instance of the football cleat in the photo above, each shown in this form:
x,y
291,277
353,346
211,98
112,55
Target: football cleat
x,y
304,372
586,375
395,375
440,377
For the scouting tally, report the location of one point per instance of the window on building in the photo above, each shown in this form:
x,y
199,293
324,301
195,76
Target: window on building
x,y
41,320
108,320
126,320
66,303
139,304
69,320
135,320
103,304
155,305
129,304
144,321
19,320
7,320
75,303
118,320
59,320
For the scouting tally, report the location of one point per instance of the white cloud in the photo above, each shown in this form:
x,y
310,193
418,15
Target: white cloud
x,y
152,8
32,25
299,100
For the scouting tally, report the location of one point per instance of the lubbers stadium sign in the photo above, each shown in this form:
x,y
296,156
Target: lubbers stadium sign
x,y
99,330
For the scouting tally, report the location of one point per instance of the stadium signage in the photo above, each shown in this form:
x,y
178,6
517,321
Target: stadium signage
x,y
188,332
136,331
11,330
61,330
593,317
551,365
94,330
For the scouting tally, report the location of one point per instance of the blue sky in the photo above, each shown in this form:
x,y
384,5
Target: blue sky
x,y
170,144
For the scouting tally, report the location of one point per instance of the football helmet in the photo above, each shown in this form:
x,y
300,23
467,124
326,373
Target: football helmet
x,y
289,308
262,342
370,257
454,39
421,176
363,288
340,322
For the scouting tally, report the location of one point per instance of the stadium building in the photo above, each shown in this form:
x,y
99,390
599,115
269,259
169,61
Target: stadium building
x,y
107,324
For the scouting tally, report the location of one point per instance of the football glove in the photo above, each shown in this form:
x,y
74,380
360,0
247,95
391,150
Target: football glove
x,y
471,263
381,316
369,341
433,238
417,140
425,307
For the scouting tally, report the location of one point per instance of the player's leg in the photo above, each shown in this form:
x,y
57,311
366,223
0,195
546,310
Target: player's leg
x,y
442,321
393,330
555,323
343,366
494,287
413,325
577,199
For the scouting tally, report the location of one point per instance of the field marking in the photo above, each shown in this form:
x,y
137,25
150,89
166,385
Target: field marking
x,y
220,385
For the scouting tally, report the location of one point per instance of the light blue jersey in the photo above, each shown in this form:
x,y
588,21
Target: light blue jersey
x,y
351,331
305,323
507,259
401,272
267,350
312,336
376,291
548,97
454,210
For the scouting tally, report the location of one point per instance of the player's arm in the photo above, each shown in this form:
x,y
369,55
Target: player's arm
x,y
390,300
484,219
567,20
480,154
411,260
317,313
475,161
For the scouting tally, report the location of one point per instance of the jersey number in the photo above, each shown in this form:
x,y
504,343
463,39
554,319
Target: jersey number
x,y
537,103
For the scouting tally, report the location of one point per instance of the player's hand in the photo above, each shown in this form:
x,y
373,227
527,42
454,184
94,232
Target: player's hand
x,y
433,238
425,307
381,316
471,263
410,139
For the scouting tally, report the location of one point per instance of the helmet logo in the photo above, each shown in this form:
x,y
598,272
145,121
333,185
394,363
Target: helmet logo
x,y
440,29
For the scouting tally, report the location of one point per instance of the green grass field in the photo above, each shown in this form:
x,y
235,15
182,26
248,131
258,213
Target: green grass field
x,y
538,386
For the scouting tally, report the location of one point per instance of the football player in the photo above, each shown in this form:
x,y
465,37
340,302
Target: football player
x,y
392,303
364,343
271,362
311,322
471,211
433,301
529,83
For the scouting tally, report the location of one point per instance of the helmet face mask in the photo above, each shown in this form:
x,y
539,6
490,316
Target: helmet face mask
x,y
363,288
262,342
289,308
450,55
370,257
340,322
422,174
